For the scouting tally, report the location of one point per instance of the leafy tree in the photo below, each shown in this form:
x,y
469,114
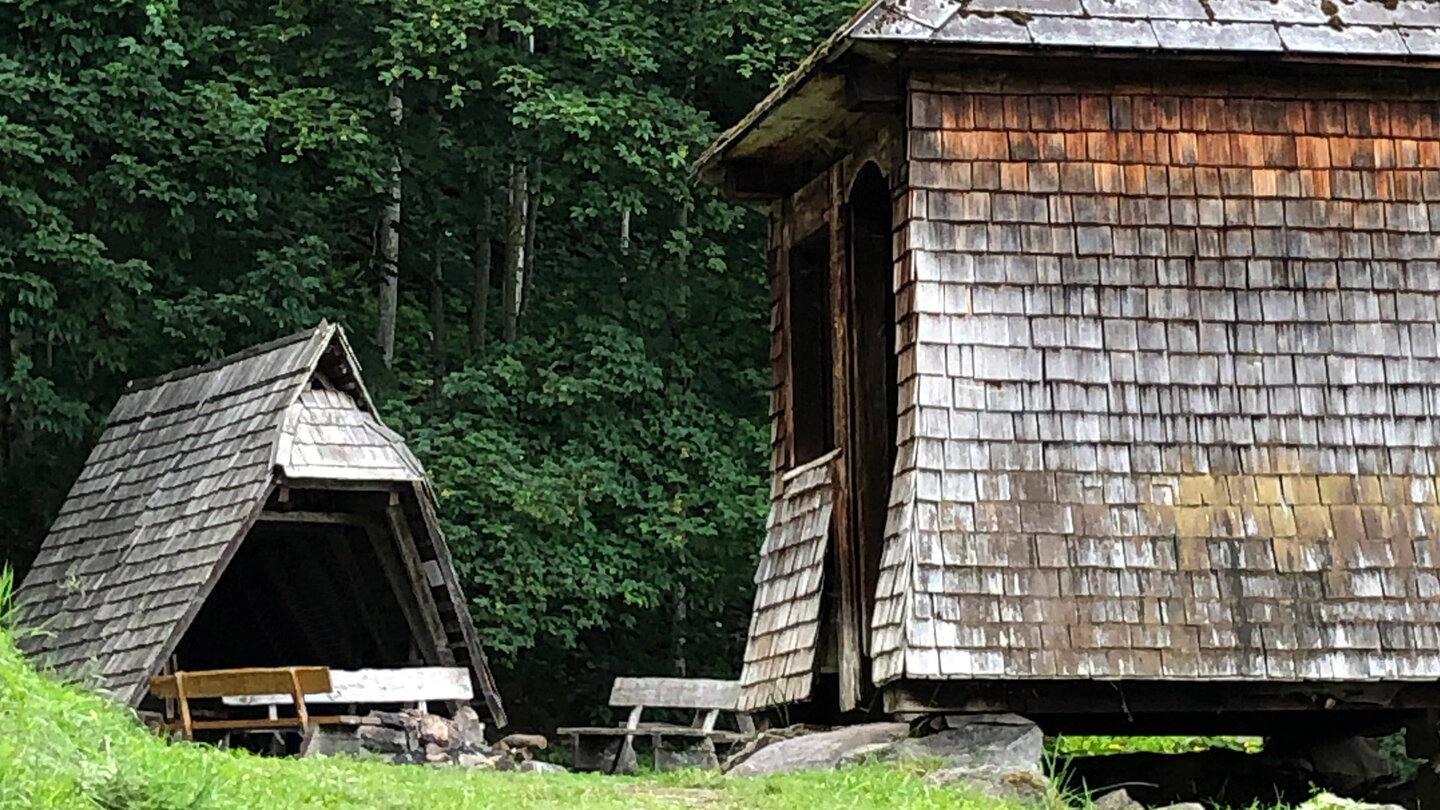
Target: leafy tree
x,y
178,180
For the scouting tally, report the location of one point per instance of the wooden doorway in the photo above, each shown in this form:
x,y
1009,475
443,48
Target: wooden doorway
x,y
875,390
812,365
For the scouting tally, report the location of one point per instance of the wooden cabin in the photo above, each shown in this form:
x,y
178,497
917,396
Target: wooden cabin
x,y
254,512
1105,364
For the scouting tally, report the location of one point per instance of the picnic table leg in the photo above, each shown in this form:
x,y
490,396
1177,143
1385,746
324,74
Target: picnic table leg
x,y
298,694
625,763
612,755
186,724
746,723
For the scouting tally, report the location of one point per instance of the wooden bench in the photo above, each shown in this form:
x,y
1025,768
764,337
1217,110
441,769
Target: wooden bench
x,y
612,750
297,682
418,686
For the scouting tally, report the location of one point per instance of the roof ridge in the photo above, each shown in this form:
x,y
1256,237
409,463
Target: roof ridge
x,y
254,351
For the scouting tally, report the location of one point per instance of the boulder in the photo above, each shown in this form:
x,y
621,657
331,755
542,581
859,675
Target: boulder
x,y
1117,800
468,728
536,766
475,761
1329,801
817,752
1184,806
382,739
999,757
1352,766
435,730
766,738
400,719
1005,742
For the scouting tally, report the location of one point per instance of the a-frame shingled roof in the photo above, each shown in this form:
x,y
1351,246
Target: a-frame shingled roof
x,y
181,473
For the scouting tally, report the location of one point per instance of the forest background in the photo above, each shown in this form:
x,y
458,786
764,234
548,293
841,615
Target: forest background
x,y
495,199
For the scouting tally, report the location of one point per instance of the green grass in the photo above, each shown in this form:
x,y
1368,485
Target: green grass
x,y
1103,746
61,747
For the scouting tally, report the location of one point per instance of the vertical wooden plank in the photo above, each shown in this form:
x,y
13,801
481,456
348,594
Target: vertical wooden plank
x,y
842,366
419,583
186,724
787,237
297,693
400,586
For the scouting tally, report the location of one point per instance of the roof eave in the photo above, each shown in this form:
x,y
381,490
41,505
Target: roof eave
x,y
839,43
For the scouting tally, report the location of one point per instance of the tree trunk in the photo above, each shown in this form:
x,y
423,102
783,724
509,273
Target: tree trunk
x,y
390,243
682,224
480,289
532,221
515,249
439,360
515,261
6,411
677,639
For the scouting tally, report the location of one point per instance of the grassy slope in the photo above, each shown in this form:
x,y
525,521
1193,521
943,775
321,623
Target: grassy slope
x,y
63,748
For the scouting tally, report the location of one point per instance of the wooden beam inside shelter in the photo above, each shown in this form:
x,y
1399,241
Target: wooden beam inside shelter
x,y
314,518
403,588
349,570
414,569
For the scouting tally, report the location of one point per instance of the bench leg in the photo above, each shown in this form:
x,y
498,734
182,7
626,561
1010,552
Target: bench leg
x,y
615,755
685,753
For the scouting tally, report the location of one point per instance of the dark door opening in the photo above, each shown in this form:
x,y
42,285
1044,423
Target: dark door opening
x,y
875,394
812,372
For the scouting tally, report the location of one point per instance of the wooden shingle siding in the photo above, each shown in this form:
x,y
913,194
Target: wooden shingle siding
x,y
785,625
1175,382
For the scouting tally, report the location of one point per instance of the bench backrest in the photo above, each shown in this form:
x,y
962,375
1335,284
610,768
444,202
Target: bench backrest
x,y
227,682
416,685
676,693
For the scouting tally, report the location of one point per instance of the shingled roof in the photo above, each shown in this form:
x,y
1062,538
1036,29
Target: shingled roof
x,y
1336,30
1345,27
181,473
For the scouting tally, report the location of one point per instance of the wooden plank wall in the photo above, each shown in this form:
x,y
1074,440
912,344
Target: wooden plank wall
x,y
819,206
1172,371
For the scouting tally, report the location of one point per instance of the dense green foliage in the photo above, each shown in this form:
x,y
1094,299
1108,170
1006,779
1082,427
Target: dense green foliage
x,y
181,179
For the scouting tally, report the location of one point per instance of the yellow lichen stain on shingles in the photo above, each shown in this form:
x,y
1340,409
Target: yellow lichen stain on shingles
x,y
1296,512
1202,489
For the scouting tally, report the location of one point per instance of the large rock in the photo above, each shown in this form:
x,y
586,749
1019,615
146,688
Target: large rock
x,y
436,730
817,752
998,756
468,728
1117,800
383,740
1005,742
1329,801
1350,766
